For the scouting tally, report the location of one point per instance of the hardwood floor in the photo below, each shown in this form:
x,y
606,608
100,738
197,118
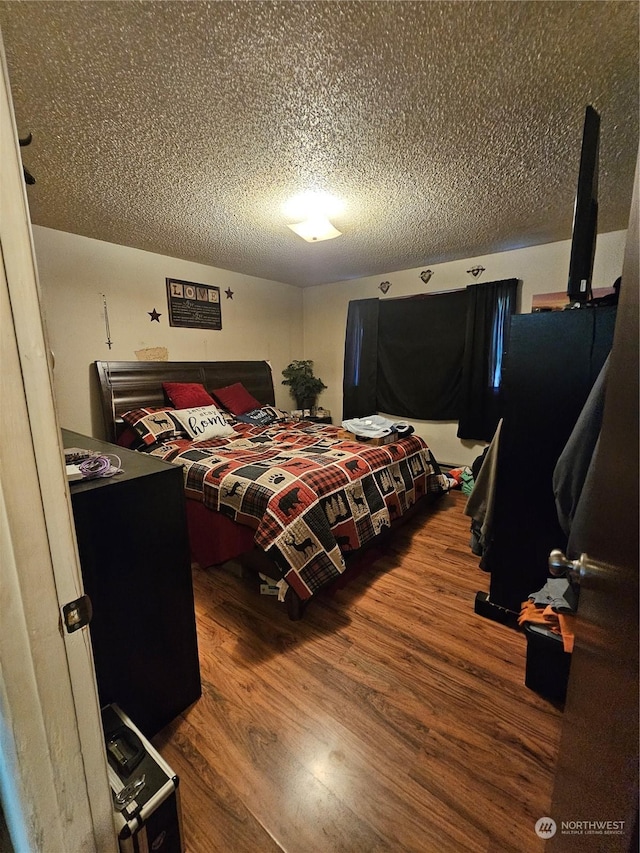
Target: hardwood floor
x,y
391,718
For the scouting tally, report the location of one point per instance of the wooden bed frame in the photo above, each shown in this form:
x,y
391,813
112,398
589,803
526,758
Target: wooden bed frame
x,y
126,385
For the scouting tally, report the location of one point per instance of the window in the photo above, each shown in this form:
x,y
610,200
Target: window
x,y
431,357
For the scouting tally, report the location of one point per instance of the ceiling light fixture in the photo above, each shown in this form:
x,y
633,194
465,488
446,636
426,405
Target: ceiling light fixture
x,y
313,209
315,229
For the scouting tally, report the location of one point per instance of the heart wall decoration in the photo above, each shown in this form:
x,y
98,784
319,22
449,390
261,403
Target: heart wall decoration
x,y
384,286
425,275
476,271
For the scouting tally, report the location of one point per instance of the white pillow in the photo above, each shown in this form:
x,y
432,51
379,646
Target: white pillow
x,y
204,422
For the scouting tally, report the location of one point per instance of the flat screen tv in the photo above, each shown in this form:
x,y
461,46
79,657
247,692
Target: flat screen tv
x,y
585,215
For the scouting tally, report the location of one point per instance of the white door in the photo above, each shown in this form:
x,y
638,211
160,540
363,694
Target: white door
x,y
53,778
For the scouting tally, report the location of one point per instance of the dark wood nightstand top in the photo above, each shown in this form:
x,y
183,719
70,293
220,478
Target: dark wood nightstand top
x,y
133,463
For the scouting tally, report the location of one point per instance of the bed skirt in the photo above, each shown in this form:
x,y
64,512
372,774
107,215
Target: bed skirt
x,y
215,538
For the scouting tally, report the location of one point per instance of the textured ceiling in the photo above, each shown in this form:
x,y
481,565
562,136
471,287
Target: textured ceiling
x,y
450,129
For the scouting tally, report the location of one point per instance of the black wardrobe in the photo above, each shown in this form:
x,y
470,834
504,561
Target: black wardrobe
x,y
551,362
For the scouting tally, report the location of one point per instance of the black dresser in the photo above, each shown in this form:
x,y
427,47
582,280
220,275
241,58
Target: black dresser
x,y
134,553
551,362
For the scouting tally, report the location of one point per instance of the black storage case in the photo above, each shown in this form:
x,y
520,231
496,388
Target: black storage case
x,y
547,668
147,812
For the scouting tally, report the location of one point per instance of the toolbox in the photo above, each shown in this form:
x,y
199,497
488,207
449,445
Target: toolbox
x,y
144,789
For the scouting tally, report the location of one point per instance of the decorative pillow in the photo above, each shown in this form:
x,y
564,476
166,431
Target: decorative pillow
x,y
204,422
187,395
154,424
236,398
263,416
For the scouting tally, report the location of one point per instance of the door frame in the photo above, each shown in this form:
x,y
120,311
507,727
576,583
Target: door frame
x,y
53,776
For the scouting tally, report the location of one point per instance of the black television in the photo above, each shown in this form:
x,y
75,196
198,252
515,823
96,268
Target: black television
x,y
585,214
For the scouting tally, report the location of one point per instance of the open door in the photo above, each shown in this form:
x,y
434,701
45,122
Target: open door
x,y
595,798
54,788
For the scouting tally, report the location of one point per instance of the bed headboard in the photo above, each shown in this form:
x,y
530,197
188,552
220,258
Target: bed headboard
x,y
128,385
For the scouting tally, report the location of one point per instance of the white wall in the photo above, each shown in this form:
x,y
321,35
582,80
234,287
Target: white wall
x,y
263,320
542,269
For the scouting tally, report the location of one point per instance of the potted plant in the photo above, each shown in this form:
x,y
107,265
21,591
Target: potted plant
x,y
304,386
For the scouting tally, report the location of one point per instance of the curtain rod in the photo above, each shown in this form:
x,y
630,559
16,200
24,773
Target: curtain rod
x,y
429,293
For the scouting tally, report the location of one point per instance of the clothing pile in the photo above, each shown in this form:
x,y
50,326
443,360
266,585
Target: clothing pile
x,y
462,478
554,606
375,426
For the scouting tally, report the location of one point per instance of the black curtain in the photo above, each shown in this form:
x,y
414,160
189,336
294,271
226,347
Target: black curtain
x,y
420,353
489,308
360,359
434,356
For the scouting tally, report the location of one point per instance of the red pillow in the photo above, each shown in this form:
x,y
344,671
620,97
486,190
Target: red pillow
x,y
187,395
236,399
128,438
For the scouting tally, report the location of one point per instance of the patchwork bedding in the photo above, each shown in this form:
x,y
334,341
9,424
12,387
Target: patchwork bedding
x,y
310,497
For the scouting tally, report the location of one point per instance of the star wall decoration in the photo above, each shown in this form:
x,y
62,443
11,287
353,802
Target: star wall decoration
x,y
229,293
154,315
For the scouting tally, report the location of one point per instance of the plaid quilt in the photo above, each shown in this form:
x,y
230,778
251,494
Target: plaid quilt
x,y
310,496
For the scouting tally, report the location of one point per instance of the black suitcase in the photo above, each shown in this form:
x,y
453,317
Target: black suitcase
x,y
144,789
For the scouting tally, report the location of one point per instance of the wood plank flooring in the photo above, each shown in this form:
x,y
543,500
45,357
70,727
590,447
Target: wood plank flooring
x,y
391,718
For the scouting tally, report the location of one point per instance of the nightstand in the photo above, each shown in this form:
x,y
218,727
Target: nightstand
x,y
136,566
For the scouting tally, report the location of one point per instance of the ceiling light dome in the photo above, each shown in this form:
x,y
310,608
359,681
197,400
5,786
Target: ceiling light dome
x,y
315,228
314,207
